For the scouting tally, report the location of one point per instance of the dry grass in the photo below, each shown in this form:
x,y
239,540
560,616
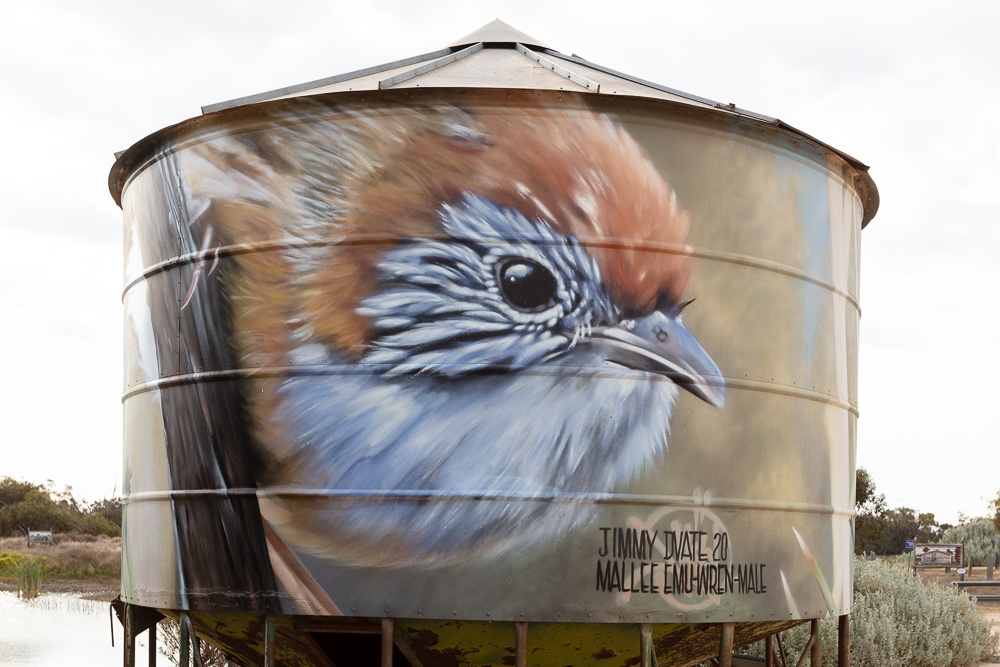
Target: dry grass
x,y
938,576
72,556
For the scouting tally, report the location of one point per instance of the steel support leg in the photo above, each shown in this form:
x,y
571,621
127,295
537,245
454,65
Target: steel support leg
x,y
270,643
388,630
185,641
844,642
781,651
129,636
646,645
726,644
769,651
151,638
520,644
816,656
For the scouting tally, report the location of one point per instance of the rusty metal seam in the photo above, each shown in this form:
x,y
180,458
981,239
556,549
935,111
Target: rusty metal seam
x,y
566,497
363,369
237,249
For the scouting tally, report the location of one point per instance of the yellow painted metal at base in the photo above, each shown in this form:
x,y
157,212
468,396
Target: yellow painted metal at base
x,y
436,643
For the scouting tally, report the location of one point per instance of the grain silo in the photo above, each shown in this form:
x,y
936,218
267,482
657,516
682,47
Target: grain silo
x,y
411,352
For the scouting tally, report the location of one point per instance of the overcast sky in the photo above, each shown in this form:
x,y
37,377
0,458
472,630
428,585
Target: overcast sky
x,y
912,89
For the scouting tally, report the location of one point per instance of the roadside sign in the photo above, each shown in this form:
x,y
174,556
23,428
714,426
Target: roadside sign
x,y
938,555
909,544
39,537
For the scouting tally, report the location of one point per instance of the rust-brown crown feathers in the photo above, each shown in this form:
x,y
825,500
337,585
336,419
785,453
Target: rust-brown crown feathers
x,y
578,171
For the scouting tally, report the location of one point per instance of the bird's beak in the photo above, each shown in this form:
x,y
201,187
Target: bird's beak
x,y
659,343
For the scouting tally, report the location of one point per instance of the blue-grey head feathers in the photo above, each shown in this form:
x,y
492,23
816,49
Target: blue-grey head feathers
x,y
441,308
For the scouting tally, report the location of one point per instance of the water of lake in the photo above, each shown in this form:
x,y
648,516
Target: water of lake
x,y
61,629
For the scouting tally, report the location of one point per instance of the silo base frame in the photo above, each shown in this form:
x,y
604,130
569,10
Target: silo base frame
x,y
135,620
255,639
776,656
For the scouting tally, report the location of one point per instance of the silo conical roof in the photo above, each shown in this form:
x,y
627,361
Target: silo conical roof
x,y
499,56
496,55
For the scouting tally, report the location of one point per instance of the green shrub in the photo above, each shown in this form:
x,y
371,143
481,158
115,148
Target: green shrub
x,y
898,621
8,564
95,524
981,539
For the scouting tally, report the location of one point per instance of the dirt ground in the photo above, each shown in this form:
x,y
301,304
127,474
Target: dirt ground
x,y
991,610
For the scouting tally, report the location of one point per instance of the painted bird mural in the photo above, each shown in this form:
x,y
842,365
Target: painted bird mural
x,y
442,310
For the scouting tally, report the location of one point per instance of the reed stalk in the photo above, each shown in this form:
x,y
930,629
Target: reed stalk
x,y
29,576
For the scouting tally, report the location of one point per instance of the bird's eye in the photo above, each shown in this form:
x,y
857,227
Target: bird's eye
x,y
526,285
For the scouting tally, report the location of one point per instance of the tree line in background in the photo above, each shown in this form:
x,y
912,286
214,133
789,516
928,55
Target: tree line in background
x,y
25,506
885,531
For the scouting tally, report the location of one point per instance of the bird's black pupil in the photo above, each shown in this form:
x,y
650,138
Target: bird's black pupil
x,y
526,285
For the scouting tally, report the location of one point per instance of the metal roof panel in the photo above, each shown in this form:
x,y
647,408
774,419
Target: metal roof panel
x,y
493,68
366,82
310,87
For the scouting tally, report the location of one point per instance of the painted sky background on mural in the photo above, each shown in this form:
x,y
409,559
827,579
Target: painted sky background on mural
x,y
911,92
